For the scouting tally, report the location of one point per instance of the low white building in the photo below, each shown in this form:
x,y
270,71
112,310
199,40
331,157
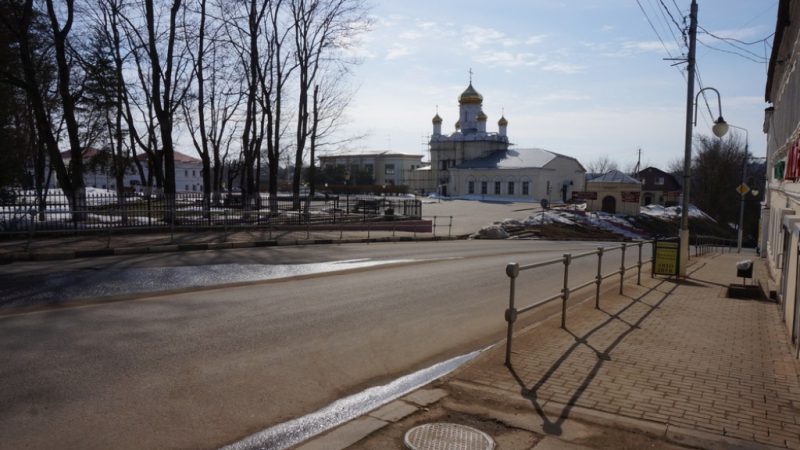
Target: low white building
x,y
98,172
614,192
385,167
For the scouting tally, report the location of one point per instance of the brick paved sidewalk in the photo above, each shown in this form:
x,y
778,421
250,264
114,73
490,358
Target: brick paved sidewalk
x,y
680,354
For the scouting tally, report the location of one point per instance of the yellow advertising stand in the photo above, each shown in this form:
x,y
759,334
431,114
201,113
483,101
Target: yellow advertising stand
x,y
666,259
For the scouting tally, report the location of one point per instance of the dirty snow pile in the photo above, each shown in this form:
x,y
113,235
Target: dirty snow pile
x,y
659,211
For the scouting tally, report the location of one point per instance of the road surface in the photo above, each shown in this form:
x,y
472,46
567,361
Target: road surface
x,y
208,366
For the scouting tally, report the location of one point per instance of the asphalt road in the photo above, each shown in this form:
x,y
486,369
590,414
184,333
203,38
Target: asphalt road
x,y
206,367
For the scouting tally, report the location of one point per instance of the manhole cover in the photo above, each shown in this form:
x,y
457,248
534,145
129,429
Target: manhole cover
x,y
447,436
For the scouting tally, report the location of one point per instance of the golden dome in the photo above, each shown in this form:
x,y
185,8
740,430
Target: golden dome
x,y
502,122
458,124
437,119
482,117
470,95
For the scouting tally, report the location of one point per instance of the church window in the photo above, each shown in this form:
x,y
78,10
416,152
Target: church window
x,y
484,187
496,188
510,188
471,187
525,188
389,169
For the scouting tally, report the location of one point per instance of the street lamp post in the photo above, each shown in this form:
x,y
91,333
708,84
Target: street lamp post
x,y
740,230
719,129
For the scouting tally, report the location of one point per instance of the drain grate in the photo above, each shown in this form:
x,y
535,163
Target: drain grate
x,y
447,436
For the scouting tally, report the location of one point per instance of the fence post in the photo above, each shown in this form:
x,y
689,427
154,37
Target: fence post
x,y
450,228
565,291
639,266
599,279
434,226
512,270
31,228
622,268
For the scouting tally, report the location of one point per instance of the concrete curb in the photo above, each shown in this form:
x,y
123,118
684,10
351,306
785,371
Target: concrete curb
x,y
11,257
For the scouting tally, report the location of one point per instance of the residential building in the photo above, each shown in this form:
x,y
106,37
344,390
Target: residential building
x,y
473,162
659,187
780,219
98,172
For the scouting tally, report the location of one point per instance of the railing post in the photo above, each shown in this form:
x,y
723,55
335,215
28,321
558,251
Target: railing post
x,y
622,268
512,270
599,279
639,266
565,291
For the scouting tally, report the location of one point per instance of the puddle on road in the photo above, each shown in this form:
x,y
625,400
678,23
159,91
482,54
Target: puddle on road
x,y
98,282
290,433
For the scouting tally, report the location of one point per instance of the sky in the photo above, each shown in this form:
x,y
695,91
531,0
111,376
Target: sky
x,y
585,78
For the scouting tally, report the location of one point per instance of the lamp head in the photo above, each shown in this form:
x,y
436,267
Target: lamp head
x,y
720,127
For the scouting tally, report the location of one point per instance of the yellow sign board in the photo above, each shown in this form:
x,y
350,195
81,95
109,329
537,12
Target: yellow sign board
x,y
743,189
665,261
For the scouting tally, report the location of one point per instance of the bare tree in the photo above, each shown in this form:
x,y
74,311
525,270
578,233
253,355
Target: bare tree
x,y
29,28
601,164
217,96
320,28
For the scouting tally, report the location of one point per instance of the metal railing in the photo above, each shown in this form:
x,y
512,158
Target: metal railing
x,y
708,244
513,270
27,214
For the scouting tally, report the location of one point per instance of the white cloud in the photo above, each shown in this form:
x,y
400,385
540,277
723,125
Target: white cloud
x,y
410,35
607,28
397,51
650,46
478,37
563,67
535,39
564,96
509,59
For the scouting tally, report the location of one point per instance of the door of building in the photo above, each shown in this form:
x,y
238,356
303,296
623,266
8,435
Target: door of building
x,y
609,204
787,239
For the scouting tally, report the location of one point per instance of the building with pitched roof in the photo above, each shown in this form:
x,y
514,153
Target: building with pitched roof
x,y
616,193
474,162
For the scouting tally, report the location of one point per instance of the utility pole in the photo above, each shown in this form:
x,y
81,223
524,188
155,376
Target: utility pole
x,y
687,150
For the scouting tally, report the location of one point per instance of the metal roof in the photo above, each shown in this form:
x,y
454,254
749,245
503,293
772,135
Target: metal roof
x,y
615,176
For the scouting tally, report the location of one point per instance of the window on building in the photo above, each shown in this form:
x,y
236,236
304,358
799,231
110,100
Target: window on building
x,y
186,173
484,187
470,187
369,168
525,188
510,188
660,181
389,169
496,188
194,173
186,188
194,187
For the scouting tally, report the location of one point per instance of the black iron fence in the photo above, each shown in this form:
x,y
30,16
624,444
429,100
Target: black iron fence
x,y
26,212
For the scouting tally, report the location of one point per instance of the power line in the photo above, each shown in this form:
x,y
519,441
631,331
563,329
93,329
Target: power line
x,y
671,16
722,38
732,43
654,28
761,60
669,26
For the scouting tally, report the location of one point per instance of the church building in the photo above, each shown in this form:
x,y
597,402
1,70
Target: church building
x,y
472,162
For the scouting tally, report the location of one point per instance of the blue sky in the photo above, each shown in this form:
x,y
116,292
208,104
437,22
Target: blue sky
x,y
582,77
